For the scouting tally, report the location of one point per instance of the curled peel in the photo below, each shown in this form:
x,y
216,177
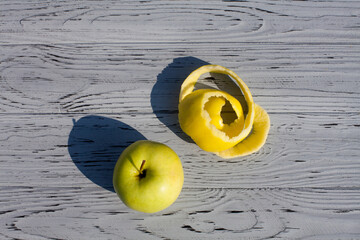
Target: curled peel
x,y
201,117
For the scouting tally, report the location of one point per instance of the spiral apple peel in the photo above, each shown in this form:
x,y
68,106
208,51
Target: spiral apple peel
x,y
200,117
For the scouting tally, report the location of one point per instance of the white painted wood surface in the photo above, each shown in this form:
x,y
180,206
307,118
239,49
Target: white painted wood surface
x,y
80,80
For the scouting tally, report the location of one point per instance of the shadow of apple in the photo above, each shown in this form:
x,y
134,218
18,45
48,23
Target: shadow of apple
x,y
95,144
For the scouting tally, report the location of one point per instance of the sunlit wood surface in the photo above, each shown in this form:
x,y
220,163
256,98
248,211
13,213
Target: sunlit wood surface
x,y
81,80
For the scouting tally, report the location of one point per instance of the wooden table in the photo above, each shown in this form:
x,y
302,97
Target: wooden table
x,y
81,80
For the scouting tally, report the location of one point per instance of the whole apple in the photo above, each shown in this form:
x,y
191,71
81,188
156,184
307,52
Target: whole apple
x,y
148,176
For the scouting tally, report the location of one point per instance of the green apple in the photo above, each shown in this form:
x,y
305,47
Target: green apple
x,y
148,176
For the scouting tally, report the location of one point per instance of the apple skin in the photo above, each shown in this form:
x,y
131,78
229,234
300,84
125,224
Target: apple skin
x,y
159,185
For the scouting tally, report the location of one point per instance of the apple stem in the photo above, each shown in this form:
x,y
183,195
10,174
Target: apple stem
x,y
142,166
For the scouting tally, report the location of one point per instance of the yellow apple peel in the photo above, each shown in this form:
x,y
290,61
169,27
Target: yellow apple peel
x,y
200,116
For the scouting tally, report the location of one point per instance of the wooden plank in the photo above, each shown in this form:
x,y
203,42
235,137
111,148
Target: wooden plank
x,y
205,213
125,78
180,21
302,150
80,81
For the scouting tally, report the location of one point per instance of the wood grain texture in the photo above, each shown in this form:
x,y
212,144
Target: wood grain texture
x,y
114,78
43,148
180,21
65,213
81,80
